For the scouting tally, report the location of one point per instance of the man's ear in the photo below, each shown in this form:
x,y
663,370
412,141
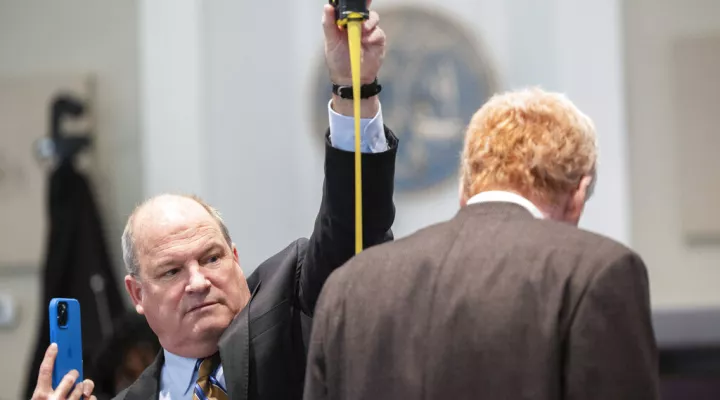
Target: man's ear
x,y
235,254
134,289
461,195
577,201
237,258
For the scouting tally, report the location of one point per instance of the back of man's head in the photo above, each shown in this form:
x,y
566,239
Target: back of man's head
x,y
536,144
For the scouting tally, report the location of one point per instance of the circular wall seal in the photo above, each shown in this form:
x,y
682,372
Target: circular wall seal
x,y
434,78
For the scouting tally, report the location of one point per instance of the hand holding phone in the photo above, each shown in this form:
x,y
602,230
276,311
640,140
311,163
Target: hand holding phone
x,y
60,375
64,391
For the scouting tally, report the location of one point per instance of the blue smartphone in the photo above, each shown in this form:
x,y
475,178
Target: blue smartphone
x,y
65,331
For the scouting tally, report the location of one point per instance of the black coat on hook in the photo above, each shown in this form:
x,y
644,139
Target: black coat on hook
x,y
77,261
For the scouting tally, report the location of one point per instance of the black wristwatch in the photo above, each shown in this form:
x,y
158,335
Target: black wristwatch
x,y
366,91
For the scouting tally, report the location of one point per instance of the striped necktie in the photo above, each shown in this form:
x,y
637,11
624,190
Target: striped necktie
x,y
207,387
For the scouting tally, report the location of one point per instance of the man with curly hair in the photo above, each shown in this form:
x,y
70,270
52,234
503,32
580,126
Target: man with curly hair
x,y
508,299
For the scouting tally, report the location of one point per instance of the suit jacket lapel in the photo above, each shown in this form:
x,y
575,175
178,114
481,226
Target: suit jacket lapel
x,y
235,353
147,385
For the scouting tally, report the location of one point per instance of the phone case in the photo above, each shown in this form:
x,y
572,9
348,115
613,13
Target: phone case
x,y
67,336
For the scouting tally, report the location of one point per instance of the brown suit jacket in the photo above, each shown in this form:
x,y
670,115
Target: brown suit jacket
x,y
493,304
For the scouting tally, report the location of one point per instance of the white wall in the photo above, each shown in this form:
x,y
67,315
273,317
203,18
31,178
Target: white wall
x,y
75,36
681,276
264,159
171,97
262,169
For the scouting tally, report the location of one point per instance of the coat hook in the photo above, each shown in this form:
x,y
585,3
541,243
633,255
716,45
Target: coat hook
x,y
58,146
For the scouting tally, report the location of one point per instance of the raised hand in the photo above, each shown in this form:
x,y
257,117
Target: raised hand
x,y
337,53
64,391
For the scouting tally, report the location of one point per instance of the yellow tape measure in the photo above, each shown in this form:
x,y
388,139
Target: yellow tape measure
x,y
351,14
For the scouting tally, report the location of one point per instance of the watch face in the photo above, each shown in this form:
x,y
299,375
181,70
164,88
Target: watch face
x,y
434,78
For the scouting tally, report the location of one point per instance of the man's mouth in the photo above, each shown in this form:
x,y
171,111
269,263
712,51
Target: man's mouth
x,y
202,306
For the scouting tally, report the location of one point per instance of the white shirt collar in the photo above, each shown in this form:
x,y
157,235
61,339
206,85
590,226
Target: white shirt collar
x,y
508,197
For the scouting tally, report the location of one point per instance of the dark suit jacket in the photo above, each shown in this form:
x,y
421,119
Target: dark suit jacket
x,y
264,350
493,304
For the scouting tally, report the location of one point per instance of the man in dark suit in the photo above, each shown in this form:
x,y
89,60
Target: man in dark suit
x,y
508,299
227,338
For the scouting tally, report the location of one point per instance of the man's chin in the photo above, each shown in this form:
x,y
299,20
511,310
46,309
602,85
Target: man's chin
x,y
201,339
210,326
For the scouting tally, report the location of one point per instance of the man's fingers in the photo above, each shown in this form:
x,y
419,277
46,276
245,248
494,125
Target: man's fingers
x,y
88,387
66,384
376,37
372,22
328,21
44,381
77,392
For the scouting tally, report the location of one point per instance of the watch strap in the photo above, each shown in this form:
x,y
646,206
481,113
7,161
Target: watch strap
x,y
366,91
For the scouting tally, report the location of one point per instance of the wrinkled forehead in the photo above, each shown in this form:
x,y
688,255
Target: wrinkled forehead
x,y
173,227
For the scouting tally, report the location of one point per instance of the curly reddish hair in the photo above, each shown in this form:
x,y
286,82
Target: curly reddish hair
x,y
533,142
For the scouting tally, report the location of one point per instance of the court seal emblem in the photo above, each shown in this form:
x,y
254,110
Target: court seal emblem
x,y
435,76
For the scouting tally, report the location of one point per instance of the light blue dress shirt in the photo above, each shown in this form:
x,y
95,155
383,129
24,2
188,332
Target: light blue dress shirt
x,y
372,132
179,374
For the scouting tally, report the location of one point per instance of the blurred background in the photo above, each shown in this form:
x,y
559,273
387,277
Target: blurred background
x,y
228,100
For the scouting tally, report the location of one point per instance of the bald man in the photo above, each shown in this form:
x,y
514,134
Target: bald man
x,y
228,337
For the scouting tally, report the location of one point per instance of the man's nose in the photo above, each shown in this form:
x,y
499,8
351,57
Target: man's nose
x,y
198,281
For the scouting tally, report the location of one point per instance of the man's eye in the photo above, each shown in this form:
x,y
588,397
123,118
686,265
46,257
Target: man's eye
x,y
213,259
171,272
